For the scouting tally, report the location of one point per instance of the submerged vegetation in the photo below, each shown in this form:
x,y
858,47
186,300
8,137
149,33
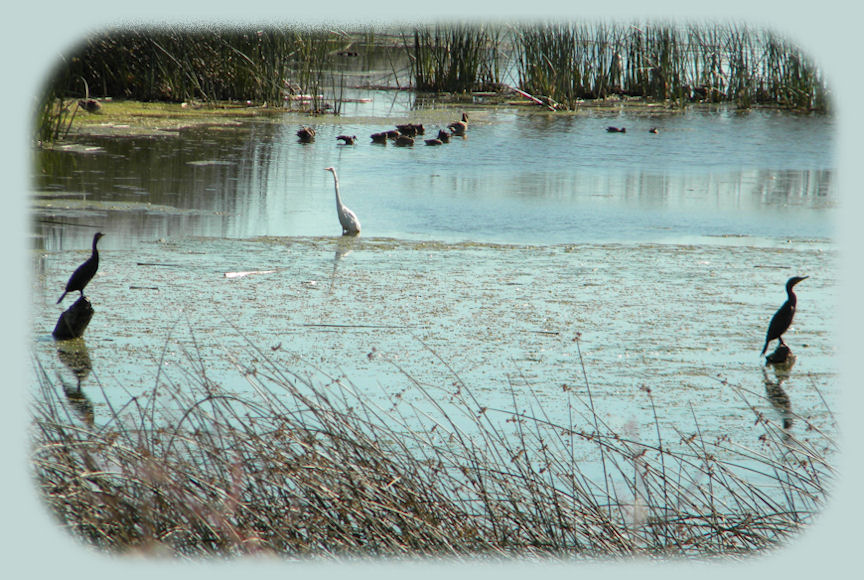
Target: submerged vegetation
x,y
559,64
309,467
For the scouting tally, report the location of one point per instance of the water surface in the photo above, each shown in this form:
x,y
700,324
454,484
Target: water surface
x,y
665,253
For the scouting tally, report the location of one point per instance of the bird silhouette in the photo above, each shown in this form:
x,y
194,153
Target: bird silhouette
x,y
782,319
85,272
347,218
347,139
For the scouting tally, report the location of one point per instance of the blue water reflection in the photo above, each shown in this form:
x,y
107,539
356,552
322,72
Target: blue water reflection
x,y
517,177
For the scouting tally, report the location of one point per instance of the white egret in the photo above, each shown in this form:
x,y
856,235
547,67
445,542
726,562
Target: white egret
x,y
349,221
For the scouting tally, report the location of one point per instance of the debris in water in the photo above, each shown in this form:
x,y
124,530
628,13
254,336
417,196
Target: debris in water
x,y
249,273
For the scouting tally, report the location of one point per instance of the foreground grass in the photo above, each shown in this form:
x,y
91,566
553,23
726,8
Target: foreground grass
x,y
311,468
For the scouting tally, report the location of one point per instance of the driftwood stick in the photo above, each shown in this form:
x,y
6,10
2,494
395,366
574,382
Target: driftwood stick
x,y
533,98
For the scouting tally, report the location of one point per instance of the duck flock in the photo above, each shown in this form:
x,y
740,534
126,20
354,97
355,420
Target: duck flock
x,y
401,136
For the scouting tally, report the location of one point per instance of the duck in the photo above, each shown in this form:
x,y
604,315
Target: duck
x,y
346,139
379,138
616,129
653,130
411,129
90,105
434,142
407,130
458,128
404,141
306,134
443,136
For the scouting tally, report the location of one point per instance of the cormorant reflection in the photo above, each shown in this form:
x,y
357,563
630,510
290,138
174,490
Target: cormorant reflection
x,y
73,353
781,361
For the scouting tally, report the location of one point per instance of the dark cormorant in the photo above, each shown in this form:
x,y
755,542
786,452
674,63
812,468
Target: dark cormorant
x,y
84,273
783,317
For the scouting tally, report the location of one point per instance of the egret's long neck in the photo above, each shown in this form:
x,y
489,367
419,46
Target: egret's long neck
x,y
336,187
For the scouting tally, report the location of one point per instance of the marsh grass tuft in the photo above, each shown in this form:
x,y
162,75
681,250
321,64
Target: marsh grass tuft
x,y
569,62
455,58
308,466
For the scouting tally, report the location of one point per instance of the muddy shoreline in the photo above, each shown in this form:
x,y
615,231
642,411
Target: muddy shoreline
x,y
130,118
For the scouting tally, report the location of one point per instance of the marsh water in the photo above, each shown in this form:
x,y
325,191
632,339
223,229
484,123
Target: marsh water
x,y
479,261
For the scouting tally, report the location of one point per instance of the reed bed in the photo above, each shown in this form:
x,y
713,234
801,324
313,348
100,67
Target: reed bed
x,y
308,467
564,63
264,65
679,63
455,58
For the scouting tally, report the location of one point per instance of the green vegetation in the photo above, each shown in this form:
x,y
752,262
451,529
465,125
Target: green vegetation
x,y
311,468
560,64
677,63
458,58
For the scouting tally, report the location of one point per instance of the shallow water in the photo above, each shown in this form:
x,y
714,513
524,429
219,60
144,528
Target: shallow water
x,y
516,178
665,253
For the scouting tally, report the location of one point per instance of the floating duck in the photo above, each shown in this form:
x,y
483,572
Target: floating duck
x,y
346,139
443,136
379,138
616,129
434,142
404,141
306,134
411,129
458,128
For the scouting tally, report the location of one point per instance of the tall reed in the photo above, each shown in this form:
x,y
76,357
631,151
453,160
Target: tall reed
x,y
569,62
213,64
309,466
455,58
